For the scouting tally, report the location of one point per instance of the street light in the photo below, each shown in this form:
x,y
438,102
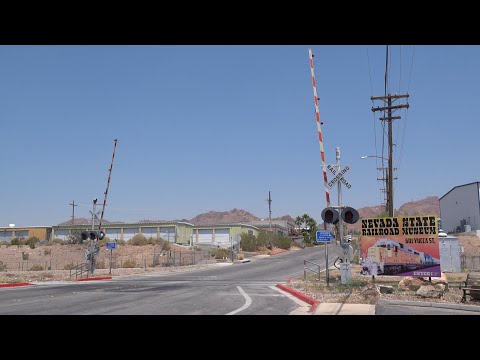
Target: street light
x,y
372,156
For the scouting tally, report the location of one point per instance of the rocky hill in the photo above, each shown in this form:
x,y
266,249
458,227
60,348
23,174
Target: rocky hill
x,y
427,206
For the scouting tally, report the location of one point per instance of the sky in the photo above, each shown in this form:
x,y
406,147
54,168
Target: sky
x,y
212,128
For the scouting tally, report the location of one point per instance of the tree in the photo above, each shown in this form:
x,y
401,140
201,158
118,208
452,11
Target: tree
x,y
307,226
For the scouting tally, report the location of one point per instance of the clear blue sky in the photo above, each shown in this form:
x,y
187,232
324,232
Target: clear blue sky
x,y
203,128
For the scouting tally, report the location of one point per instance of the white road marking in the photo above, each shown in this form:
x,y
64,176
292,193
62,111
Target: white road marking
x,y
245,306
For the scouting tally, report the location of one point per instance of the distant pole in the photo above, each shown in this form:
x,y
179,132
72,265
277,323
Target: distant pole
x,y
73,211
270,210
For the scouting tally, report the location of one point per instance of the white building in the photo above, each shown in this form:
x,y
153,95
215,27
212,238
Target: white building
x,y
460,208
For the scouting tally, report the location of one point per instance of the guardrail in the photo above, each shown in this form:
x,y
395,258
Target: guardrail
x,y
305,268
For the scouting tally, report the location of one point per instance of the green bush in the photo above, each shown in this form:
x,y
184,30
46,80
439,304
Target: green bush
x,y
138,240
36,267
281,241
248,242
129,263
220,253
17,241
3,267
32,241
121,242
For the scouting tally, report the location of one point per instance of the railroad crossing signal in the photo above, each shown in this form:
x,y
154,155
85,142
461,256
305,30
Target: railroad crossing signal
x,y
93,235
338,176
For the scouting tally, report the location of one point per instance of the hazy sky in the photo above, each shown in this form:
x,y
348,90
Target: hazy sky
x,y
203,128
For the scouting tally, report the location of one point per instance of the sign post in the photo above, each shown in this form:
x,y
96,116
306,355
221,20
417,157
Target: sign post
x,y
111,246
325,237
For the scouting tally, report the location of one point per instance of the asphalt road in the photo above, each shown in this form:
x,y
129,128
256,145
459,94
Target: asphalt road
x,y
244,289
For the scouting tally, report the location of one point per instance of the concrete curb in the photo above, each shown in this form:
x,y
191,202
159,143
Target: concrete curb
x,y
431,304
314,303
14,284
96,278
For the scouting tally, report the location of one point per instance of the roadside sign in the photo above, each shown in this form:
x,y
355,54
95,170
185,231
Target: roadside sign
x,y
111,245
338,176
324,236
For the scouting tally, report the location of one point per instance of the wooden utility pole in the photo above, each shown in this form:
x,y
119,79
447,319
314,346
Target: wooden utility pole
x,y
389,119
269,200
73,211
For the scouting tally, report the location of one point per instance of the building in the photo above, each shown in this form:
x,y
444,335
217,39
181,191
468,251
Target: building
x,y
223,235
43,233
279,226
178,232
460,208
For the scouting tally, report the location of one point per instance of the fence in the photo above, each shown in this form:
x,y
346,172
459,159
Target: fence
x,y
470,263
143,258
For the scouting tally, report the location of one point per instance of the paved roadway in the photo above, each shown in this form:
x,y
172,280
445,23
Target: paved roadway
x,y
244,289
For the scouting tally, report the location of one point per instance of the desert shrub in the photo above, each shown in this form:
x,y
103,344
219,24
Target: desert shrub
x,y
100,264
138,240
25,255
248,242
129,263
3,267
36,267
32,241
240,256
264,238
281,241
220,253
58,241
69,266
17,241
121,242
47,252
101,243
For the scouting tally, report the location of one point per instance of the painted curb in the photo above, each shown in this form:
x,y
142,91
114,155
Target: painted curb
x,y
14,284
96,278
314,303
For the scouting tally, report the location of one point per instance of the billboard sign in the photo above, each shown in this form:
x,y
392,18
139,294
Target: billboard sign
x,y
401,246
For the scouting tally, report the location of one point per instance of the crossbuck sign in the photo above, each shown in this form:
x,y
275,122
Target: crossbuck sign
x,y
338,176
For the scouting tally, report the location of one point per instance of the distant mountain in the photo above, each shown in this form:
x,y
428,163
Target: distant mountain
x,y
84,221
215,217
285,217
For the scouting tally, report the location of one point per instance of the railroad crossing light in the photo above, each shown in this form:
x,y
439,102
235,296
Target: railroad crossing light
x,y
350,215
330,215
93,235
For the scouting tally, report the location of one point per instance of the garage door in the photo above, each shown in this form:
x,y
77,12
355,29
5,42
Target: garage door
x,y
168,233
205,236
222,237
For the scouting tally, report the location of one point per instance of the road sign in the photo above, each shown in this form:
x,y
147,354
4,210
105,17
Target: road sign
x,y
111,245
338,176
324,236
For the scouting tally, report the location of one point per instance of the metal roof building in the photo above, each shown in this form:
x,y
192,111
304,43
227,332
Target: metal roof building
x,y
460,208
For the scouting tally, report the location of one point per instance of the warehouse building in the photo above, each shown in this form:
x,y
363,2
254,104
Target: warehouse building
x,y
460,208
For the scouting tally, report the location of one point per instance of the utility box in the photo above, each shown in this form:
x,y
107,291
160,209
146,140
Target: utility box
x,y
449,254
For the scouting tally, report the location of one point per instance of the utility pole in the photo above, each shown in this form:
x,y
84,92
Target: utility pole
x,y
389,118
270,210
73,211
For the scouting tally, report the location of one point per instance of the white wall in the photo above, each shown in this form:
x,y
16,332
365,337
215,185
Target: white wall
x,y
460,203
